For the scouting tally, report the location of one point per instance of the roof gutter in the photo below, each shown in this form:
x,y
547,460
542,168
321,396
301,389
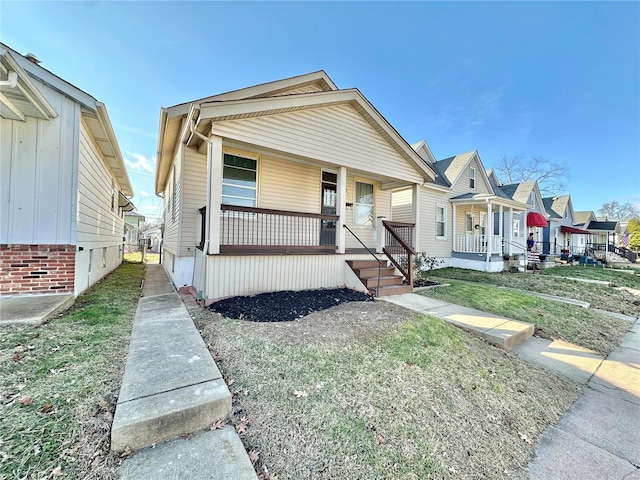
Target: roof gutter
x,y
11,81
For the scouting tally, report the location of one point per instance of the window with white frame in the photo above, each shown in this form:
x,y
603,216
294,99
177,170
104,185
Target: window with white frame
x,y
469,221
531,199
363,214
441,221
472,177
483,223
516,227
239,181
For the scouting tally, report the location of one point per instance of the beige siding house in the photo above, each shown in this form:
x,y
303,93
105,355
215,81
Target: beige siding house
x,y
275,187
461,218
64,183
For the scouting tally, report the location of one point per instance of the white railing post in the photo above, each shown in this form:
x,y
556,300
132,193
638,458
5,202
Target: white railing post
x,y
380,234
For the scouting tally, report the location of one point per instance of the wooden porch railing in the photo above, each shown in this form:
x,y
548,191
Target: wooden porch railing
x,y
261,230
398,247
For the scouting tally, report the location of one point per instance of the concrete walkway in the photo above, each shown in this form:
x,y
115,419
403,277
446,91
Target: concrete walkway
x,y
499,331
600,435
171,387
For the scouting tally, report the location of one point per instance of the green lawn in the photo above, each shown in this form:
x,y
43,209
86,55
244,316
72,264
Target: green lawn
x,y
599,296
59,381
628,278
419,399
596,331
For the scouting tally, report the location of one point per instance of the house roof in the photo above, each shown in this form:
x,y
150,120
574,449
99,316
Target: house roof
x,y
25,99
556,206
424,151
602,226
582,217
519,191
260,103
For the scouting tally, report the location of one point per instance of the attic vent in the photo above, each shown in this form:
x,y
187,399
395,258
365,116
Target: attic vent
x,y
32,58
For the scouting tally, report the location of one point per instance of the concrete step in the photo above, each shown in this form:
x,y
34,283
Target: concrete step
x,y
393,290
212,454
372,282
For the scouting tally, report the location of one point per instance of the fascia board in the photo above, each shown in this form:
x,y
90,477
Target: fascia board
x,y
105,123
56,83
27,87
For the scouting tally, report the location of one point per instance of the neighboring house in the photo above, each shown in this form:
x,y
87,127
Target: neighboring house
x,y
561,235
153,239
132,221
63,183
605,233
462,219
534,218
258,184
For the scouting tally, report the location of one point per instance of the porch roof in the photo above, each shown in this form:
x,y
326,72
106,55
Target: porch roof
x,y
579,231
480,198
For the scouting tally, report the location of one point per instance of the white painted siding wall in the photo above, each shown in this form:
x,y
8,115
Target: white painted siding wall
x,y
38,175
100,227
230,275
337,135
381,208
402,205
284,185
194,197
462,185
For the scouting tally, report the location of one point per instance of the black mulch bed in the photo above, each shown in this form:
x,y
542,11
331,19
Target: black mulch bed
x,y
285,306
424,283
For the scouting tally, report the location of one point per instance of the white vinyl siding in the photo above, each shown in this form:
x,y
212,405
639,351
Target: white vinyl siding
x,y
462,185
335,134
98,225
193,197
38,175
472,178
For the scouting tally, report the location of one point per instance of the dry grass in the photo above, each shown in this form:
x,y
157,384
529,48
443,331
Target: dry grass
x,y
59,382
382,393
136,257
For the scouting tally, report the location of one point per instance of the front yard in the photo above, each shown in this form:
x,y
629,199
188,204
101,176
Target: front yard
x,y
368,390
59,382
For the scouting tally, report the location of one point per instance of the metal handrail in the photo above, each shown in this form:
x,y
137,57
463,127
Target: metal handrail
x,y
370,253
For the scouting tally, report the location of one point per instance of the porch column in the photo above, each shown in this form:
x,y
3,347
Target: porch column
x,y
453,229
214,198
415,207
341,211
489,238
380,234
510,231
501,225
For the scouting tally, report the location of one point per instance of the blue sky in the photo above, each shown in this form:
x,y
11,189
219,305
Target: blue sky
x,y
554,79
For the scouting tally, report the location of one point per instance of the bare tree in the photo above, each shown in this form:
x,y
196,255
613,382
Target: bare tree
x,y
550,175
617,211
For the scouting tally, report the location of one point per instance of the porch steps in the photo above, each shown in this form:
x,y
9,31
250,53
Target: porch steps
x,y
390,283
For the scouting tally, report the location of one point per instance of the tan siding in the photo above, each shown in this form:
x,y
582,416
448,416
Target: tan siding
x,y
402,205
285,185
433,246
336,134
252,274
172,221
193,197
98,224
462,185
381,208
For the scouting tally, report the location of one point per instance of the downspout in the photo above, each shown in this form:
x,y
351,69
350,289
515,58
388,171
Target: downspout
x,y
205,247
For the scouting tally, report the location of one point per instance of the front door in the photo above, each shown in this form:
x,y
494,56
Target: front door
x,y
329,207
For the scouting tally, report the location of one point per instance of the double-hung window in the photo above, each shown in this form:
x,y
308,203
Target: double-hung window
x,y
516,227
472,178
239,181
363,215
441,221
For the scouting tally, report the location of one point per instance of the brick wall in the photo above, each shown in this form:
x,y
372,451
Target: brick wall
x,y
37,269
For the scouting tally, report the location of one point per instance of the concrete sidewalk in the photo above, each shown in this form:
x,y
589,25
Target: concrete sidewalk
x,y
499,331
600,435
32,309
171,387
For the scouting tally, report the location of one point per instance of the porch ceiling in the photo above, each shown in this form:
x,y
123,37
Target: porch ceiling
x,y
484,199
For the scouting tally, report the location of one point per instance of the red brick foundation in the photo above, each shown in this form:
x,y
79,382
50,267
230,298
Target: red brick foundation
x,y
37,269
